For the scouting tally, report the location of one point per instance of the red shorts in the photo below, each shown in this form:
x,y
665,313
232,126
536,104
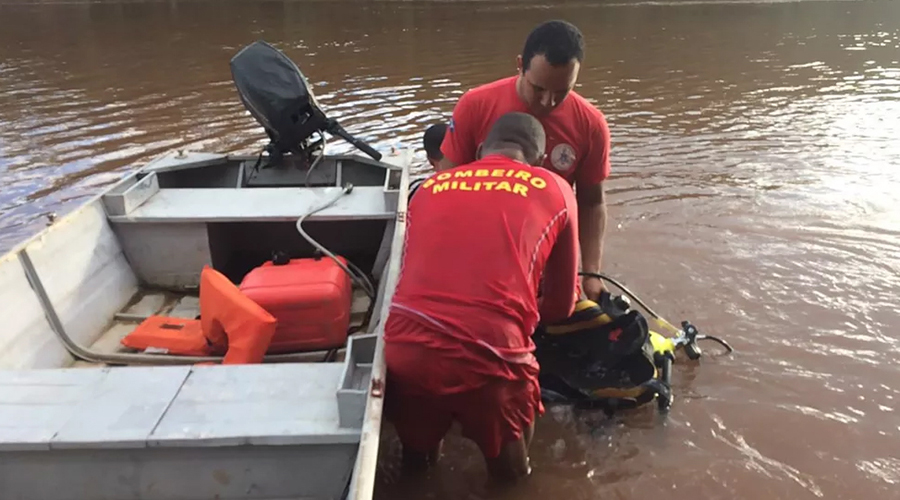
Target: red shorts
x,y
498,412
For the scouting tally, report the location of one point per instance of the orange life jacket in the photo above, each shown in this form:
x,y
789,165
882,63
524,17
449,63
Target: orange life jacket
x,y
229,324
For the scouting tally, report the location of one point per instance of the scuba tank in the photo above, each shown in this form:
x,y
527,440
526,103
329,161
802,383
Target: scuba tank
x,y
604,356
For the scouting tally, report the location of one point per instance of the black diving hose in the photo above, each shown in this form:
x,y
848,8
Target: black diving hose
x,y
662,321
628,292
651,312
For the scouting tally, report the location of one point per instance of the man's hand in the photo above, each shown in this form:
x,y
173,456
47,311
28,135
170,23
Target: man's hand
x,y
592,288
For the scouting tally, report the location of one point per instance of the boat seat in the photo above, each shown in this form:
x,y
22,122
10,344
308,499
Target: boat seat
x,y
230,323
170,205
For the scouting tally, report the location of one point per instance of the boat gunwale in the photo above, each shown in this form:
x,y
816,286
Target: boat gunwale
x,y
362,479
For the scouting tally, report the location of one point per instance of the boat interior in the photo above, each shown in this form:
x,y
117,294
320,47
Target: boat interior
x,y
181,213
138,250
75,291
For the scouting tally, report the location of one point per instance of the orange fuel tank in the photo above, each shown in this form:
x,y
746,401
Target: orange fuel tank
x,y
311,298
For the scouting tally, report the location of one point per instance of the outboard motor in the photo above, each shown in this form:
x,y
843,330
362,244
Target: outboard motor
x,y
279,97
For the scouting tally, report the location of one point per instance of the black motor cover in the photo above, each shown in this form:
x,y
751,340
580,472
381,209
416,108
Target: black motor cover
x,y
277,94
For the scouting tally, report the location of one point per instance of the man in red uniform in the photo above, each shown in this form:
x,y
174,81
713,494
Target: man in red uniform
x,y
578,140
480,237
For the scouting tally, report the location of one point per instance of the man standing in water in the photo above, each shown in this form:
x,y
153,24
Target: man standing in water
x,y
578,140
431,140
458,337
434,136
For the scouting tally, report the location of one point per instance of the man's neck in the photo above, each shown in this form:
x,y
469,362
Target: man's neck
x,y
511,153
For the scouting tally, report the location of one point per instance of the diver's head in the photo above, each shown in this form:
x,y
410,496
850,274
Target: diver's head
x,y
432,140
519,136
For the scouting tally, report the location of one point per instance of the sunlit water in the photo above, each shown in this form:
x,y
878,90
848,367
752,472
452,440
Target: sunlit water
x,y
756,163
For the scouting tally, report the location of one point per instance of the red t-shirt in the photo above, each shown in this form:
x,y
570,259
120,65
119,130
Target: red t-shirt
x,y
479,238
578,140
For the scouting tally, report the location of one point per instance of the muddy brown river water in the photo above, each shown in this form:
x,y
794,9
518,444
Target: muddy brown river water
x,y
756,172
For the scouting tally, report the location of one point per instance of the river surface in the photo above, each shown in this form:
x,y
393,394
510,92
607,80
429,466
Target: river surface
x,y
756,172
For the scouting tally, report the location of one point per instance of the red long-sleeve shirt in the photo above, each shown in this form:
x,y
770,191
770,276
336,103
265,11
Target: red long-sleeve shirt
x,y
479,239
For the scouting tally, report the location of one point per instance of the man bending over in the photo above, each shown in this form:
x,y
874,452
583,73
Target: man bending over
x,y
458,337
578,139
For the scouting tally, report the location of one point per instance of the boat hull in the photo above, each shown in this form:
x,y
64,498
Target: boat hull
x,y
74,423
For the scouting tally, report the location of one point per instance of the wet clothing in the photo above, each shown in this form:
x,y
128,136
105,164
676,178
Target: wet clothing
x,y
479,239
578,139
429,387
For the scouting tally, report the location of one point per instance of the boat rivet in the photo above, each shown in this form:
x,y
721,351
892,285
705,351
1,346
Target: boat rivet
x,y
377,388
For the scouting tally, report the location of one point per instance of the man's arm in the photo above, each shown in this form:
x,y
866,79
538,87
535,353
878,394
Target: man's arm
x,y
592,204
592,219
461,141
561,271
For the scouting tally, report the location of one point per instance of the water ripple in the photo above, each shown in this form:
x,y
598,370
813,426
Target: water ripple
x,y
753,191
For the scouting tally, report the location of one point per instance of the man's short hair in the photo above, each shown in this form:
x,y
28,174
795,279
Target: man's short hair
x,y
519,130
558,41
434,136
